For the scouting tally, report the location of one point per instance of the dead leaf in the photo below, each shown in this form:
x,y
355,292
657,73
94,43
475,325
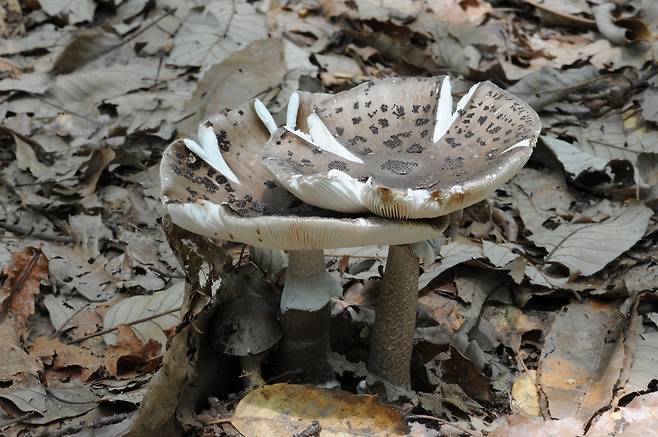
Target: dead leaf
x,y
131,357
16,365
65,361
638,418
572,158
75,10
581,359
209,37
587,248
24,274
87,45
523,426
285,409
165,303
524,393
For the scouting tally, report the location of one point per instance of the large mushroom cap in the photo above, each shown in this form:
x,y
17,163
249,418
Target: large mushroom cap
x,y
406,154
250,206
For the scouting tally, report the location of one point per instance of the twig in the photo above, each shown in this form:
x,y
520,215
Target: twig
x,y
312,430
134,322
441,421
25,272
66,322
73,429
23,232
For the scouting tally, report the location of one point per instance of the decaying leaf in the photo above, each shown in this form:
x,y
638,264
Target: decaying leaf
x,y
65,361
581,359
131,356
164,306
285,409
24,274
574,161
209,37
525,395
638,418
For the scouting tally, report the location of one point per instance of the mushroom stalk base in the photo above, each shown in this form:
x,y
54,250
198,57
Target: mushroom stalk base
x,y
306,318
392,338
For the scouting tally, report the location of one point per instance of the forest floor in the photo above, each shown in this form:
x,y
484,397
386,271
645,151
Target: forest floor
x,y
539,317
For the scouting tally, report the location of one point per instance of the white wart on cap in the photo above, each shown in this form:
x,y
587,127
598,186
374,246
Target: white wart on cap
x,y
405,152
252,207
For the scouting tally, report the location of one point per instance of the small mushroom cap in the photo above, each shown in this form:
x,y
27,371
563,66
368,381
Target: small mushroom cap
x,y
245,326
258,210
416,158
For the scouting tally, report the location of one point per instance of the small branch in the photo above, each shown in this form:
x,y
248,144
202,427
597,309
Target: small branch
x,y
24,233
134,322
441,421
76,428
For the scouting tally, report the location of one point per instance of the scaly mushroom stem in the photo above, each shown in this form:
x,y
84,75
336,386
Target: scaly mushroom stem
x,y
251,369
392,338
306,317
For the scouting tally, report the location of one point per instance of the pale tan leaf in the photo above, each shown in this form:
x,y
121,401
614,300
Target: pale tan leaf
x,y
283,410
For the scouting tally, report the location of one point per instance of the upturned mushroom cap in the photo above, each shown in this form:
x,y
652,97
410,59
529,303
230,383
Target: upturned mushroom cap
x,y
245,326
231,196
397,149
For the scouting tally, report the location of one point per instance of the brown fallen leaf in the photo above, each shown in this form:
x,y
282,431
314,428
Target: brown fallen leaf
x,y
132,357
24,272
582,359
284,409
64,361
16,366
524,426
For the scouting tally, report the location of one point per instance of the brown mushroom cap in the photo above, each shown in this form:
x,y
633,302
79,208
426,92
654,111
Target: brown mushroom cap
x,y
258,210
389,125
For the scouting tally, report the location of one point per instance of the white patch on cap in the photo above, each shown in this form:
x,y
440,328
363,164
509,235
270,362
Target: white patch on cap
x,y
336,191
293,109
265,116
324,140
522,143
209,151
443,110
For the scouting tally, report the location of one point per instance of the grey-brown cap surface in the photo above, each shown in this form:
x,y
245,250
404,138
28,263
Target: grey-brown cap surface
x,y
405,152
229,195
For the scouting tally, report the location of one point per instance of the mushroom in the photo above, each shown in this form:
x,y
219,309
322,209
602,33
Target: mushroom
x,y
246,327
403,153
233,197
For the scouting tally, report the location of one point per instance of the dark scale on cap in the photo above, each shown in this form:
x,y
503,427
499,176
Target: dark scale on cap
x,y
384,108
424,133
356,139
224,142
399,167
383,122
307,162
393,142
356,120
270,184
356,105
491,154
258,206
494,130
421,121
373,129
241,112
221,179
415,148
340,130
366,151
481,142
339,110
338,165
229,188
290,153
426,108
469,134
495,139
368,103
249,198
398,111
192,192
415,109
452,163
453,142
482,119
372,114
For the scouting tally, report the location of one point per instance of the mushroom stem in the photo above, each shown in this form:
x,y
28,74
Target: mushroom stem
x,y
392,338
251,369
306,317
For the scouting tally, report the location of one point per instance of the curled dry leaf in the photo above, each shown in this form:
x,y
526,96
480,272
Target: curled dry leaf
x,y
282,410
24,272
621,31
65,361
131,356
